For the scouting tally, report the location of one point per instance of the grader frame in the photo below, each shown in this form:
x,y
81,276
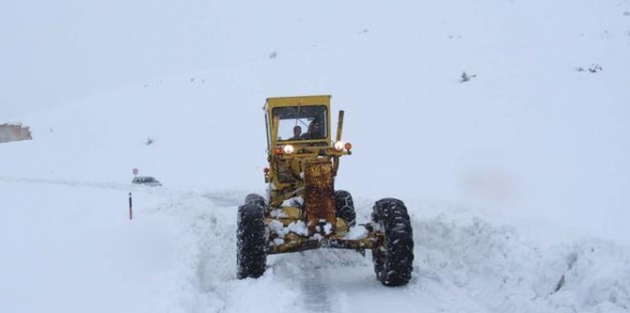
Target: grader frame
x,y
302,210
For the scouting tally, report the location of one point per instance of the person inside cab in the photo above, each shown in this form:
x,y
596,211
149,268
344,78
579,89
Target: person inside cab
x,y
315,130
297,133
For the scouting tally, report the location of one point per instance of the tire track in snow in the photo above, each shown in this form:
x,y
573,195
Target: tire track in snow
x,y
62,182
219,198
320,276
316,290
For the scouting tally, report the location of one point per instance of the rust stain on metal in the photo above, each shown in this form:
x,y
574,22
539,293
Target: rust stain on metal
x,y
319,196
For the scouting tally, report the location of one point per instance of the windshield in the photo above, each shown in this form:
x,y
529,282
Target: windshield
x,y
299,122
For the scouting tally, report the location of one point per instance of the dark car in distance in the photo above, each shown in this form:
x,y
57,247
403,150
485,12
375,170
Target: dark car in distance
x,y
146,181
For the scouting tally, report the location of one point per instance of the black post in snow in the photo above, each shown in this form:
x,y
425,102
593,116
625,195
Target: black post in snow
x,y
130,205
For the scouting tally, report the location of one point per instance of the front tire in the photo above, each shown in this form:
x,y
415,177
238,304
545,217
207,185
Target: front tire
x,y
344,206
393,261
251,256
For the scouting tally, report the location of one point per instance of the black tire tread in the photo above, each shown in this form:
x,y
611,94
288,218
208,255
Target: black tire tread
x,y
251,252
393,262
344,206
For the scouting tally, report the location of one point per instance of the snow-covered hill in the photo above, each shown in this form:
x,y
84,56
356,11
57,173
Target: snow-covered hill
x,y
518,180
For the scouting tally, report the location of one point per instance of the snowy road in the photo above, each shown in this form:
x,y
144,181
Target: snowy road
x,y
178,255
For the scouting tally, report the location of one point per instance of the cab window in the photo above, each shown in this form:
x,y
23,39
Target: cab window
x,y
301,123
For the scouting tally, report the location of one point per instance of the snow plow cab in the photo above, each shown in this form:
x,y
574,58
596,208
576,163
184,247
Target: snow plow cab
x,y
302,210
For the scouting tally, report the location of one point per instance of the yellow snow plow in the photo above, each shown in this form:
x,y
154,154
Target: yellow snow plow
x,y
303,210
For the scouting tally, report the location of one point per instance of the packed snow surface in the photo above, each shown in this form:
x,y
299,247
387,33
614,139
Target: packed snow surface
x,y
502,125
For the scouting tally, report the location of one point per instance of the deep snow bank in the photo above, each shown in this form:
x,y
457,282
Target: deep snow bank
x,y
500,272
461,263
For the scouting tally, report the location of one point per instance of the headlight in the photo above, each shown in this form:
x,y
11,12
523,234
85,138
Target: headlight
x,y
288,149
339,145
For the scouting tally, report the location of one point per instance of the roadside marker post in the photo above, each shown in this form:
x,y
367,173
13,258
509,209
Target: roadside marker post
x,y
130,207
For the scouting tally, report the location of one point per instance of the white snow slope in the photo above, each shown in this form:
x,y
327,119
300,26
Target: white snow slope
x,y
517,181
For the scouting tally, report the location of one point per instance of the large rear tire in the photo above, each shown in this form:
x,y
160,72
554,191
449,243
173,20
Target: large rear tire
x,y
256,198
393,261
344,206
251,256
